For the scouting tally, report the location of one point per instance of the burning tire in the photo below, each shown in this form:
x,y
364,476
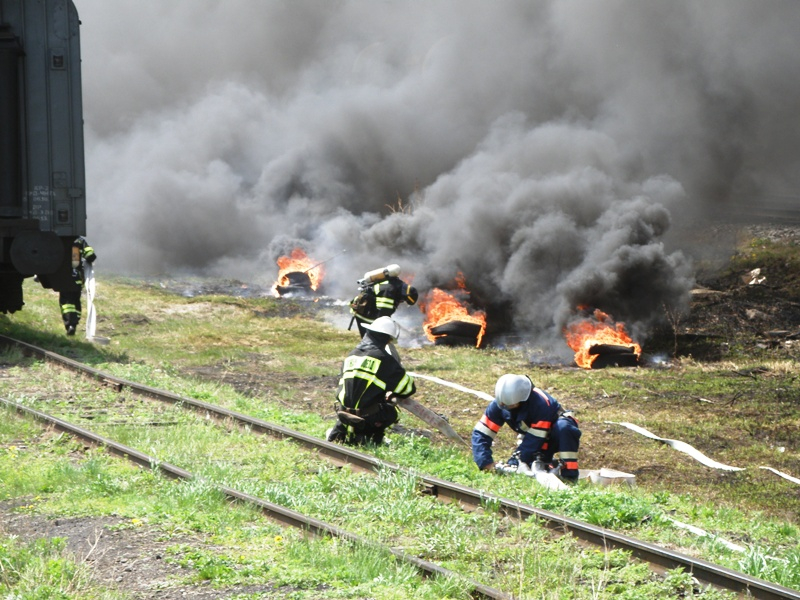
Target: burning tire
x,y
295,282
297,274
456,333
611,349
455,340
613,355
448,318
599,342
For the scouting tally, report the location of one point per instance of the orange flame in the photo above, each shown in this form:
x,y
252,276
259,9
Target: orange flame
x,y
298,262
442,307
601,329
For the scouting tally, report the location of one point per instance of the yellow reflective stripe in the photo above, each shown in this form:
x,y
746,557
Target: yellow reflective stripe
x,y
65,308
404,386
363,367
382,302
362,363
485,430
566,455
371,379
361,317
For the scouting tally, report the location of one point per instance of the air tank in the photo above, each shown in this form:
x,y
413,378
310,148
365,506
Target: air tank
x,y
377,275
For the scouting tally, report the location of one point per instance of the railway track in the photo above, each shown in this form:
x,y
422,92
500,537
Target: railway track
x,y
282,514
659,558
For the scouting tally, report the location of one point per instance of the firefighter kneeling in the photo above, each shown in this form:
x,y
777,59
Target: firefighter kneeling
x,y
549,435
371,377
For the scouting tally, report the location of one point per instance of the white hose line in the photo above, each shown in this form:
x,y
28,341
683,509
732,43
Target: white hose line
x,y
675,444
680,447
703,533
784,475
696,454
91,314
455,386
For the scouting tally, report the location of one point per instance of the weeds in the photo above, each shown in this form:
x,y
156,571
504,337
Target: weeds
x,y
42,568
284,370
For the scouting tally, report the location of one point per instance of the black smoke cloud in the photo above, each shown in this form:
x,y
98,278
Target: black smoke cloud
x,y
554,152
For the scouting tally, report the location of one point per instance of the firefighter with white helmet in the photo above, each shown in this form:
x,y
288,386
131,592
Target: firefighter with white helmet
x,y
381,293
550,436
371,377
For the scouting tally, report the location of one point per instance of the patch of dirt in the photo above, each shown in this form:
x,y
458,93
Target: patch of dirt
x,y
117,554
131,559
251,379
757,305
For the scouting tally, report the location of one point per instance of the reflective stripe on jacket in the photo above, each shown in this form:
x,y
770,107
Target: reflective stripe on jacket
x,y
369,372
385,300
387,296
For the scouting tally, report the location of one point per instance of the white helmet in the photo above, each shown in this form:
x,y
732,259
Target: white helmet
x,y
385,325
512,389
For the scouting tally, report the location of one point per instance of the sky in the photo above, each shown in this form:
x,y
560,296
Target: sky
x,y
559,154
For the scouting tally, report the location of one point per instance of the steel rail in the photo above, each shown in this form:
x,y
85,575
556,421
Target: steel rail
x,y
280,513
702,570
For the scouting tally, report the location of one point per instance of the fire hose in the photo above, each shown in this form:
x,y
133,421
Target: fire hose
x,y
675,444
696,454
551,481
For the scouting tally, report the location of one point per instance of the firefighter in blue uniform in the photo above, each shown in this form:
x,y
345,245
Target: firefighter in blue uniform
x,y
70,298
371,377
383,292
550,436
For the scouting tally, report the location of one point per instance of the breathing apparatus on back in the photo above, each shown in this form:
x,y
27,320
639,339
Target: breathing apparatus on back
x,y
378,275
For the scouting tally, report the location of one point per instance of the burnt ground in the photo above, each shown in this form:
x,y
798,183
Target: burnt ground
x,y
752,305
728,308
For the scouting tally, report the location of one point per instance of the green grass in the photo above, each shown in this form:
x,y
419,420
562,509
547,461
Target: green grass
x,y
276,361
385,507
247,549
42,569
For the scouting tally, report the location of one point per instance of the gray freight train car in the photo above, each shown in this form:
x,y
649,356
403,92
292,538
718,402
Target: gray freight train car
x,y
42,174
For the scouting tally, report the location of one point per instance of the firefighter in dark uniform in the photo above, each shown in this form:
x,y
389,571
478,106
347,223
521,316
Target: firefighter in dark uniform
x,y
371,377
550,436
70,298
380,296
